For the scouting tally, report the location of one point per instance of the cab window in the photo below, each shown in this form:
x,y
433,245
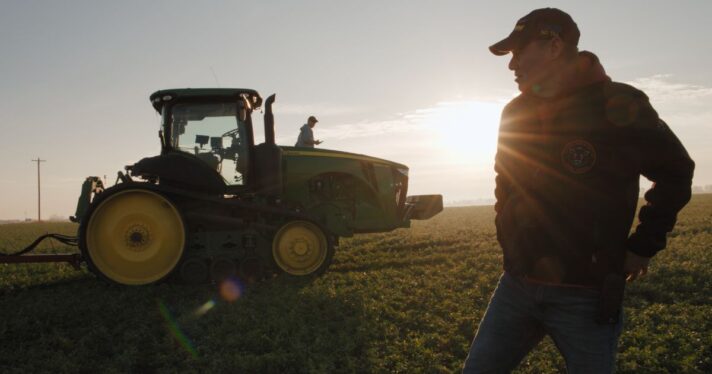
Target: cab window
x,y
213,133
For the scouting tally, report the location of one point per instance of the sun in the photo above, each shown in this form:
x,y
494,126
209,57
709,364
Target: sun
x,y
464,131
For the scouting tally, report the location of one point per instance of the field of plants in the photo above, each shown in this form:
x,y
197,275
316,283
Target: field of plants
x,y
402,302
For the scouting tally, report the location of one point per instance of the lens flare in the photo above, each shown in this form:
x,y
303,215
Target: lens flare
x,y
175,330
231,289
204,308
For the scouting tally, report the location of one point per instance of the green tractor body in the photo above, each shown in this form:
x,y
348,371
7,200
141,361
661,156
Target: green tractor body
x,y
214,204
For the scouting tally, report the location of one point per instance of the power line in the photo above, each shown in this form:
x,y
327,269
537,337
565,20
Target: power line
x,y
39,200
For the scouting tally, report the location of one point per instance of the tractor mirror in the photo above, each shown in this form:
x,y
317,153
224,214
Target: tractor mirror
x,y
216,142
201,140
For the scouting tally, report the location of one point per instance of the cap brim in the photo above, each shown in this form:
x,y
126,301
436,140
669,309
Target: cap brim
x,y
503,46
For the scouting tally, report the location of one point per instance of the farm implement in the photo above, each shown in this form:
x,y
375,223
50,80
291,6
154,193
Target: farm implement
x,y
213,204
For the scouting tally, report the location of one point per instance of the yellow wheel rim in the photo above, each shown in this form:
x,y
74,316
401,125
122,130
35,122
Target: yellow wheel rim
x,y
299,248
135,237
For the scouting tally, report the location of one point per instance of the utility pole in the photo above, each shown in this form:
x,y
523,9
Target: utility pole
x,y
39,208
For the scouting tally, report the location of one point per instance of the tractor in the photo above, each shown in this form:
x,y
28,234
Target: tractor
x,y
213,204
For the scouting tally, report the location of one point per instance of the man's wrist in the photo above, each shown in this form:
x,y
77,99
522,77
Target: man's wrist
x,y
636,244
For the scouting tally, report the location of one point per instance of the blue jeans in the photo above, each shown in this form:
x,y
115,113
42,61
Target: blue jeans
x,y
521,313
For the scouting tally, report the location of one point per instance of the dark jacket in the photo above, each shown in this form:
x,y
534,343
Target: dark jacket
x,y
568,172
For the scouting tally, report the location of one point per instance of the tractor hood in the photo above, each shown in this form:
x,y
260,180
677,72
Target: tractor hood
x,y
328,153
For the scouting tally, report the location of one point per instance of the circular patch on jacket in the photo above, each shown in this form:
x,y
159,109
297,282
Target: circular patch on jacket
x,y
578,156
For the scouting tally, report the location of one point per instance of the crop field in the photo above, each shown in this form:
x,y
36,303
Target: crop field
x,y
408,301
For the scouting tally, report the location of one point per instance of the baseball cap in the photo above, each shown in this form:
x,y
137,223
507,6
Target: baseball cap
x,y
543,23
312,118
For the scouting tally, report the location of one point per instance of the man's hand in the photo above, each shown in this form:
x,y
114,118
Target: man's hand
x,y
635,266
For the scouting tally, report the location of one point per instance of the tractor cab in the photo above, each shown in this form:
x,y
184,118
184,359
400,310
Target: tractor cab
x,y
216,133
206,140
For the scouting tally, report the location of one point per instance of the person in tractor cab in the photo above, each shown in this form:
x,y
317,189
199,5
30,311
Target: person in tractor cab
x,y
572,147
306,134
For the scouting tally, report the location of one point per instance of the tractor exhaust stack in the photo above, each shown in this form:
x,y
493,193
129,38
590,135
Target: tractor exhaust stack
x,y
269,120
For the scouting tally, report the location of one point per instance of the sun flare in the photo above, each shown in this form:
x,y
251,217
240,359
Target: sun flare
x,y
464,131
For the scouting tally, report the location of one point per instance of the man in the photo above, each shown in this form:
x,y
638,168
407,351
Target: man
x,y
571,149
306,135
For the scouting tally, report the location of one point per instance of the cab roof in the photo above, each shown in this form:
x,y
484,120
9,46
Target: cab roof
x,y
159,98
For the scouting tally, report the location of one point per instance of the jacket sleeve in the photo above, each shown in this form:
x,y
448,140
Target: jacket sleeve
x,y
665,162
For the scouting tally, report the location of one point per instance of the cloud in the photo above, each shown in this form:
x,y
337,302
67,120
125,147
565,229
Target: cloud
x,y
369,128
323,109
444,112
685,107
663,91
361,129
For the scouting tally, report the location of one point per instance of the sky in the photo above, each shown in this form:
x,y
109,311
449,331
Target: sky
x,y
408,81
